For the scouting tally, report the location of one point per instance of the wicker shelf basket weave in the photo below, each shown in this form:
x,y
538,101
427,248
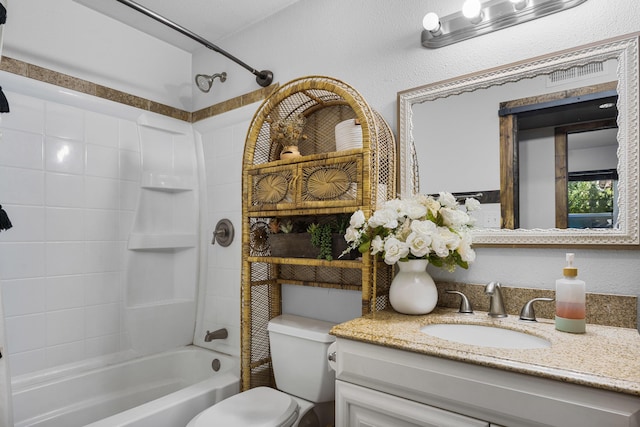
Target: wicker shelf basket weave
x,y
323,181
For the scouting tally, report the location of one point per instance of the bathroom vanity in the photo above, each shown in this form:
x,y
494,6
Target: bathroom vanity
x,y
390,373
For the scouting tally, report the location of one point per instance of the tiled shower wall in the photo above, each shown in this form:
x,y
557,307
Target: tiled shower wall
x,y
69,180
223,140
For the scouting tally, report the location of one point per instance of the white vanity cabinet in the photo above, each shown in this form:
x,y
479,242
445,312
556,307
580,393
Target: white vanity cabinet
x,y
358,406
379,386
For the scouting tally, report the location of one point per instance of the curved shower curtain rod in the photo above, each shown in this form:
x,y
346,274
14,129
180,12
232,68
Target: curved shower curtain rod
x,y
263,78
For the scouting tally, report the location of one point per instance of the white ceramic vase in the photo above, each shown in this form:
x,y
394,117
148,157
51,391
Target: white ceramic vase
x,y
412,290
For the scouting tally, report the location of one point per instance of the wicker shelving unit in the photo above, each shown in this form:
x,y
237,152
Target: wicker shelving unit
x,y
274,188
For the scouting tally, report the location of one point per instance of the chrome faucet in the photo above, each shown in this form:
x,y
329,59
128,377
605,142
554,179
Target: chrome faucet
x,y
496,305
219,334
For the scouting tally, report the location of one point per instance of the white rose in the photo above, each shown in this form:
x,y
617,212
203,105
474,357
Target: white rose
x,y
423,227
377,245
357,219
472,205
454,217
351,234
444,241
415,210
394,204
419,244
385,217
466,253
433,206
447,199
394,249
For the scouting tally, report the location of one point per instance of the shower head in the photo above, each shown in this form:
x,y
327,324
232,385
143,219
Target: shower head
x,y
204,82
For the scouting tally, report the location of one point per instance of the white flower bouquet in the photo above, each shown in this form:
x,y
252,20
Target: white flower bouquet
x,y
422,227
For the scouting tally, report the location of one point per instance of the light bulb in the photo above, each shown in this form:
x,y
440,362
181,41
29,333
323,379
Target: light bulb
x,y
431,22
472,10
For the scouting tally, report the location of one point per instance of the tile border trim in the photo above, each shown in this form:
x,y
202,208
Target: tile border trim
x,y
35,72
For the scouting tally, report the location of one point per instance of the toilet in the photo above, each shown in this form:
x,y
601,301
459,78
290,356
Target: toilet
x,y
303,377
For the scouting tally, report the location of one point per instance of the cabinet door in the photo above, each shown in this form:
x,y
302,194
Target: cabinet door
x,y
358,406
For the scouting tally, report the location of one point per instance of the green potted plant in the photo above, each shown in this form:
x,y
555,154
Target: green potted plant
x,y
319,237
328,237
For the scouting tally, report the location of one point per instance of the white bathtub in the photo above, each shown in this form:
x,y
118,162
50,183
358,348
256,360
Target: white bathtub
x,y
164,390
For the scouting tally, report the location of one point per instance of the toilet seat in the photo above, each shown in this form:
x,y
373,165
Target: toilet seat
x,y
257,407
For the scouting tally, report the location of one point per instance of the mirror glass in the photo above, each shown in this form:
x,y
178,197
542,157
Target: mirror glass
x,y
482,135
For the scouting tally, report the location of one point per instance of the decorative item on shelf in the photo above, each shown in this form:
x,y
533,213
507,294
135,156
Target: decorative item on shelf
x,y
327,237
348,135
287,132
320,238
424,228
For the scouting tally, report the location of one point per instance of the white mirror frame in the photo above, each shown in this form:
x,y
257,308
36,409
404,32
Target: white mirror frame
x,y
625,50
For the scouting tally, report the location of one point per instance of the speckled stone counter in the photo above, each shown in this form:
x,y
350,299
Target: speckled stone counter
x,y
605,357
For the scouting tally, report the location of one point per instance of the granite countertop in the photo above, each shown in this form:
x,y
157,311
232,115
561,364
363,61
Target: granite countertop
x,y
604,357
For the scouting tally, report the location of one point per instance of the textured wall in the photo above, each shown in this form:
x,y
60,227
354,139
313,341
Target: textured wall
x,y
374,45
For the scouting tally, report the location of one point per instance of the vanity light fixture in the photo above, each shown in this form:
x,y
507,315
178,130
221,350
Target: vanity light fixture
x,y
476,19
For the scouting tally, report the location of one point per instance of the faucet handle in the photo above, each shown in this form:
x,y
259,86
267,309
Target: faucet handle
x,y
465,305
528,313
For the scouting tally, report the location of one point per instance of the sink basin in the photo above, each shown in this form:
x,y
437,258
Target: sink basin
x,y
485,336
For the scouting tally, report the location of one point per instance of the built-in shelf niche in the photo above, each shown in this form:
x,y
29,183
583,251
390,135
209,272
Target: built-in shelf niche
x,y
139,241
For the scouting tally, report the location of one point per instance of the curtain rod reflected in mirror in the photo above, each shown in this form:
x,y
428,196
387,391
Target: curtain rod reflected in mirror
x,y
478,153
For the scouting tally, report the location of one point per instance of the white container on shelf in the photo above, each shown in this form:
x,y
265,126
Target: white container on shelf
x,y
348,135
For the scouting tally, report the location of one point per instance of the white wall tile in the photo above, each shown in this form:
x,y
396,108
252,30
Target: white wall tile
x,y
63,121
22,260
27,113
63,155
64,190
129,139
28,223
102,345
129,193
102,320
64,353
64,292
103,288
30,190
64,258
21,149
130,165
25,333
104,256
25,296
102,224
62,264
65,224
65,326
126,224
102,161
27,361
102,193
101,129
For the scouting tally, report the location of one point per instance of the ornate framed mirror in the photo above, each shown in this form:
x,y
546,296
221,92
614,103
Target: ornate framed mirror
x,y
463,135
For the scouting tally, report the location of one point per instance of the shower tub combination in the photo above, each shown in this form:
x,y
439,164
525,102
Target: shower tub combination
x,y
162,390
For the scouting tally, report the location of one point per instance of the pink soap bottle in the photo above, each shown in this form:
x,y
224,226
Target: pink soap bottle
x,y
570,300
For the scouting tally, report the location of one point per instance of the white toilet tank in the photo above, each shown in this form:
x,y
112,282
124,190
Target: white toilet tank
x,y
299,355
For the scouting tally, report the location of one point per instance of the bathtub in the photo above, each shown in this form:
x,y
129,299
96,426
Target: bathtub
x,y
163,390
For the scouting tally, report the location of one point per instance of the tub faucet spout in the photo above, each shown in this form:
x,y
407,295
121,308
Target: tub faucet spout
x,y
219,334
496,304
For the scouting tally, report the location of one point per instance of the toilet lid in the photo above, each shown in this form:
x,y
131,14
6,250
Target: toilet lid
x,y
257,407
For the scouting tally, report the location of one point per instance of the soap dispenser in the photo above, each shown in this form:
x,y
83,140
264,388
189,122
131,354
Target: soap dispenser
x,y
570,300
